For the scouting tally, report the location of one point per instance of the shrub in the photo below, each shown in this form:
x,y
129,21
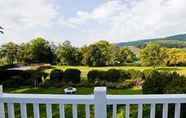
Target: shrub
x,y
92,75
159,82
147,73
96,75
72,75
13,82
176,86
124,75
56,74
135,74
113,75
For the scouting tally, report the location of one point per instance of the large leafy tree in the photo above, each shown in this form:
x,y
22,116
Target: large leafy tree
x,y
25,53
175,57
9,52
98,54
40,51
153,55
126,56
68,55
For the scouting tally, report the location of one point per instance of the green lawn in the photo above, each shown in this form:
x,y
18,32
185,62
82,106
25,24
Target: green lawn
x,y
80,90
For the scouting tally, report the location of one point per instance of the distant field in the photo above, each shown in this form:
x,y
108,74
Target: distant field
x,y
86,69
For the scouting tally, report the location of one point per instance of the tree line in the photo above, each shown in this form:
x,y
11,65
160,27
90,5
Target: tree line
x,y
101,53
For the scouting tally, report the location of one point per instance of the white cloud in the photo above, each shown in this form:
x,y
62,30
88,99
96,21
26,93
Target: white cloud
x,y
20,16
114,20
136,19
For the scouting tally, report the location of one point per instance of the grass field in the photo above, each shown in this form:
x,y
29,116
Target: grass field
x,y
86,69
80,90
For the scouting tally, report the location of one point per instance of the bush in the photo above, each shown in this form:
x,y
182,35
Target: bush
x,y
56,74
135,74
96,75
113,75
176,86
72,75
147,73
163,82
13,82
124,75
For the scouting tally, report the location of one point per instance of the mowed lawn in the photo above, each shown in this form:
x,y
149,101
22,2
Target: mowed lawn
x,y
80,90
86,69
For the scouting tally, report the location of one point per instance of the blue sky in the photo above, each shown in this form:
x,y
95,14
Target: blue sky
x,y
87,21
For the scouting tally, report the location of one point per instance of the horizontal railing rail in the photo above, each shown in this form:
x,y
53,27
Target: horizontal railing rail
x,y
146,99
101,102
47,98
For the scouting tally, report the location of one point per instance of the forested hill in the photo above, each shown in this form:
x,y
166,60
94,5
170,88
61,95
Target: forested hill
x,y
176,41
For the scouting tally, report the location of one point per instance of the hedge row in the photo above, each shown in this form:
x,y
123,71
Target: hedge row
x,y
69,75
113,75
17,78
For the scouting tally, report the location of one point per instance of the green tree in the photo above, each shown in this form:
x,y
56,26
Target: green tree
x,y
175,57
41,51
9,52
126,56
153,55
98,54
25,53
68,55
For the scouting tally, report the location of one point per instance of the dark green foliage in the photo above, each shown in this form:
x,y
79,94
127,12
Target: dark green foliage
x,y
11,74
9,52
113,75
72,75
135,74
96,75
56,74
124,74
155,82
37,51
163,82
97,54
41,51
177,85
68,55
17,78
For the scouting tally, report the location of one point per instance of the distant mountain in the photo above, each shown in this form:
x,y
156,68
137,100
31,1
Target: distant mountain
x,y
176,41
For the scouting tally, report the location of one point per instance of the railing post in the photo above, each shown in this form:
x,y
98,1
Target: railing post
x,y
2,113
100,102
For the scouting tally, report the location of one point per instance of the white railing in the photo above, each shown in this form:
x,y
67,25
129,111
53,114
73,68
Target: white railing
x,y
99,100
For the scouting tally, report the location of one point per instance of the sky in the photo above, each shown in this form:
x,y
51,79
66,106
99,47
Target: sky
x,y
87,21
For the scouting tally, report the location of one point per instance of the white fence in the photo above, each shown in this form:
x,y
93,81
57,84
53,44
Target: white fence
x,y
99,99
